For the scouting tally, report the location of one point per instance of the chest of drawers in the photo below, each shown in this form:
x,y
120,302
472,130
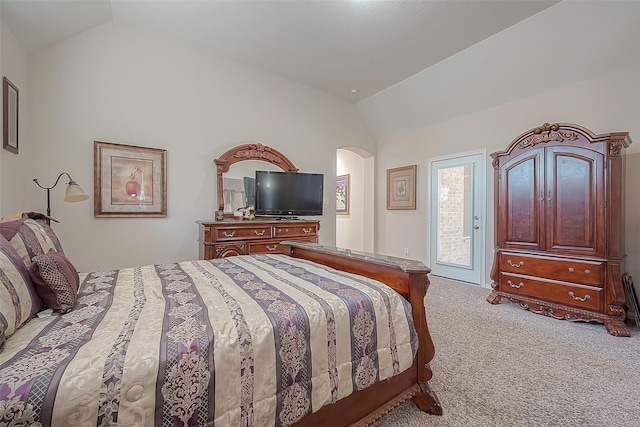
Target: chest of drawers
x,y
573,282
219,239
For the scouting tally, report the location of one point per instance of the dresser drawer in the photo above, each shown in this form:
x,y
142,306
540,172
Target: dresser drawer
x,y
266,248
231,233
295,230
586,297
566,270
274,246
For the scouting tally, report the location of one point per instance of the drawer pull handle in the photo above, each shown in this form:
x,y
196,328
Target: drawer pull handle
x,y
306,230
518,265
229,235
272,248
572,295
518,286
257,233
587,271
571,270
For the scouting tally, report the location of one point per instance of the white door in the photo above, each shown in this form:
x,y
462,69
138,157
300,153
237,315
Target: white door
x,y
457,210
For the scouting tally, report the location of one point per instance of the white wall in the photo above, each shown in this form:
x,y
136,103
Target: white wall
x,y
117,85
349,230
356,231
1,103
2,25
608,103
569,42
15,169
575,62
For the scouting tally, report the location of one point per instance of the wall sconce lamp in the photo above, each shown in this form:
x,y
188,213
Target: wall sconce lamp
x,y
74,193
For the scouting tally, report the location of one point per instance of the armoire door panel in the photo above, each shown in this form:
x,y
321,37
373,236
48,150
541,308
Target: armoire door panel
x,y
574,202
522,207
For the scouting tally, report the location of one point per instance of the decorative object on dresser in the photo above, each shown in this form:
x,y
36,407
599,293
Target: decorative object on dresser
x,y
129,181
219,239
73,193
559,219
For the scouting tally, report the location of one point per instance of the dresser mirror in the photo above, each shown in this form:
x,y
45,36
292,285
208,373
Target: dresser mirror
x,y
234,185
239,183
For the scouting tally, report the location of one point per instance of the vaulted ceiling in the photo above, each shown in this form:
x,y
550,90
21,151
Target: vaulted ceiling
x,y
351,49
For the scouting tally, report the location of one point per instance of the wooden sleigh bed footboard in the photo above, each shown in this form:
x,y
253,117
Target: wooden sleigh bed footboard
x,y
408,278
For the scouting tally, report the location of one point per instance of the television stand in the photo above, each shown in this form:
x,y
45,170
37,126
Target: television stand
x,y
229,237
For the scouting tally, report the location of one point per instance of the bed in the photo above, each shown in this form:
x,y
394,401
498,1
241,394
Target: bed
x,y
305,338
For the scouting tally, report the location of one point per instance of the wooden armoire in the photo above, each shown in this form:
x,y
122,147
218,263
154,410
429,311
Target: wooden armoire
x,y
559,224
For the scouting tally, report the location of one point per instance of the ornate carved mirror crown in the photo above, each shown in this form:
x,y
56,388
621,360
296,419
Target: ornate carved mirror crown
x,y
255,151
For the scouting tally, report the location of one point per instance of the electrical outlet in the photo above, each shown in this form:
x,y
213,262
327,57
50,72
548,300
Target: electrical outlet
x,y
406,251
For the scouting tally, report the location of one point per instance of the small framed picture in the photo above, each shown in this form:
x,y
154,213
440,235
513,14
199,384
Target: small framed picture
x,y
342,194
9,116
401,187
129,181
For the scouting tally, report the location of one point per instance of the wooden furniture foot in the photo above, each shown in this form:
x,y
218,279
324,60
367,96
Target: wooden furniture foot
x,y
427,400
493,298
617,328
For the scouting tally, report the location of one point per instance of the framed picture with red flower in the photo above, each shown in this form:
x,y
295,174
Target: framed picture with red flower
x,y
129,181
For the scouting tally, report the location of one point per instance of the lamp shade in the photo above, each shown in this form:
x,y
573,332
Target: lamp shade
x,y
75,193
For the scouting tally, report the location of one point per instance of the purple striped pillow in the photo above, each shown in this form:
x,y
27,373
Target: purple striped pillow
x,y
30,237
18,300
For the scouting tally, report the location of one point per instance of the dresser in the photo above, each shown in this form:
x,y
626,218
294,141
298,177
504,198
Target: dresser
x,y
559,224
219,239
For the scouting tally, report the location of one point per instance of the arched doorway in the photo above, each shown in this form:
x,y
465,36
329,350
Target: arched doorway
x,y
355,224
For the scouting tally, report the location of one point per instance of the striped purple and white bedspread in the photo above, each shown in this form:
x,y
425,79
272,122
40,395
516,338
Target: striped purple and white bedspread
x,y
256,340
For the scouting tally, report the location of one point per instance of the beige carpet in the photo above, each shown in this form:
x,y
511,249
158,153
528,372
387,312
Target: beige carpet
x,y
498,365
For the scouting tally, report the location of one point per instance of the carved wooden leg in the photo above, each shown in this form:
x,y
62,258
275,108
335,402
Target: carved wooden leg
x,y
493,298
427,400
617,328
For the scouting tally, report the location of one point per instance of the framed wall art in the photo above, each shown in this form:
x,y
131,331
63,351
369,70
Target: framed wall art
x,y
129,181
9,116
342,194
401,187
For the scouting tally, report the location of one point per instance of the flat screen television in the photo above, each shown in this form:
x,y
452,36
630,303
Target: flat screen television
x,y
289,194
